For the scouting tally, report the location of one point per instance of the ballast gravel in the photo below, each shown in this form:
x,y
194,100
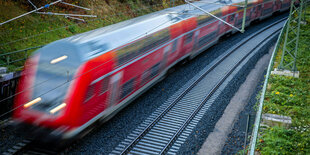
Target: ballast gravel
x,y
103,139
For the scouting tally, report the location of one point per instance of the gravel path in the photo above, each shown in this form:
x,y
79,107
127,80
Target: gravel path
x,y
216,140
235,140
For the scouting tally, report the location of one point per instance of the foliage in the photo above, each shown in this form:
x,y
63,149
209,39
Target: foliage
x,y
290,97
278,140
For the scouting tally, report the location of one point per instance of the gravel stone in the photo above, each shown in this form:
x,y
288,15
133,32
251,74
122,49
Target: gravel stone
x,y
103,139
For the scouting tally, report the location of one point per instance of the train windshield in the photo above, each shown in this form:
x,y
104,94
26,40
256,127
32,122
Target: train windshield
x,y
56,67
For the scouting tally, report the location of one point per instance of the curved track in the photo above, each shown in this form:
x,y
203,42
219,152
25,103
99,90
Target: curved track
x,y
157,134
164,127
17,148
28,146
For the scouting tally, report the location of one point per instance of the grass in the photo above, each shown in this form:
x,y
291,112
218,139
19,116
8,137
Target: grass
x,y
290,97
36,30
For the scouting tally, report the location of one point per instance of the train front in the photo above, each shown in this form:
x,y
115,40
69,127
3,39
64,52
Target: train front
x,y
43,95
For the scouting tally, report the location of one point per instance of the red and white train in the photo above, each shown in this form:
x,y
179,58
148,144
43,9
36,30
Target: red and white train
x,y
70,84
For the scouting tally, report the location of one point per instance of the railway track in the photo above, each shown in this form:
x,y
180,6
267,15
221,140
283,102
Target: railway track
x,y
18,148
168,127
29,146
4,123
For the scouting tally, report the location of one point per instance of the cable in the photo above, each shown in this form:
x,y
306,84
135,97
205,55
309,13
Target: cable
x,y
142,35
18,51
32,36
129,41
48,32
25,50
67,82
30,25
37,35
99,8
30,49
42,7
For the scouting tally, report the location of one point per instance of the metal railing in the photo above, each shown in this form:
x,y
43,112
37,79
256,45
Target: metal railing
x,y
262,97
7,56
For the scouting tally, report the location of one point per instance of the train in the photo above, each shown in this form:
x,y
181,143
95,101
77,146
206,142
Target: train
x,y
73,83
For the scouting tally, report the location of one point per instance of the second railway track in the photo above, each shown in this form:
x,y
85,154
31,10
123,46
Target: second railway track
x,y
160,133
29,146
166,129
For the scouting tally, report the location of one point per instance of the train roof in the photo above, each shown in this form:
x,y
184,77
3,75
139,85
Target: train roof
x,y
98,41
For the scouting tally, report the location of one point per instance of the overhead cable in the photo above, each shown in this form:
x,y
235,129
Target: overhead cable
x,y
67,82
42,7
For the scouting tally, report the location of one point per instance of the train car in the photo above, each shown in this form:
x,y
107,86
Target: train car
x,y
70,84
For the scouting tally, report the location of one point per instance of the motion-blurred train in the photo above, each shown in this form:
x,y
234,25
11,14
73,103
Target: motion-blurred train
x,y
70,84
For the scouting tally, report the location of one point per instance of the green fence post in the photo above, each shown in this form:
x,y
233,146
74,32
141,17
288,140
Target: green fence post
x,y
8,59
244,15
290,47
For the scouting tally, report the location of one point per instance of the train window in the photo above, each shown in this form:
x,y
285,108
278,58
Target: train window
x,y
104,85
267,11
90,93
142,46
145,77
155,70
232,17
252,9
206,39
127,88
239,22
203,19
155,40
189,38
174,46
127,53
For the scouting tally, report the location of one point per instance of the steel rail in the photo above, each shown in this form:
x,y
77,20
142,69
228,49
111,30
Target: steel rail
x,y
4,123
29,146
167,109
210,94
18,148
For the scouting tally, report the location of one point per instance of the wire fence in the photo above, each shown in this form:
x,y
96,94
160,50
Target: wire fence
x,y
262,97
24,52
277,49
